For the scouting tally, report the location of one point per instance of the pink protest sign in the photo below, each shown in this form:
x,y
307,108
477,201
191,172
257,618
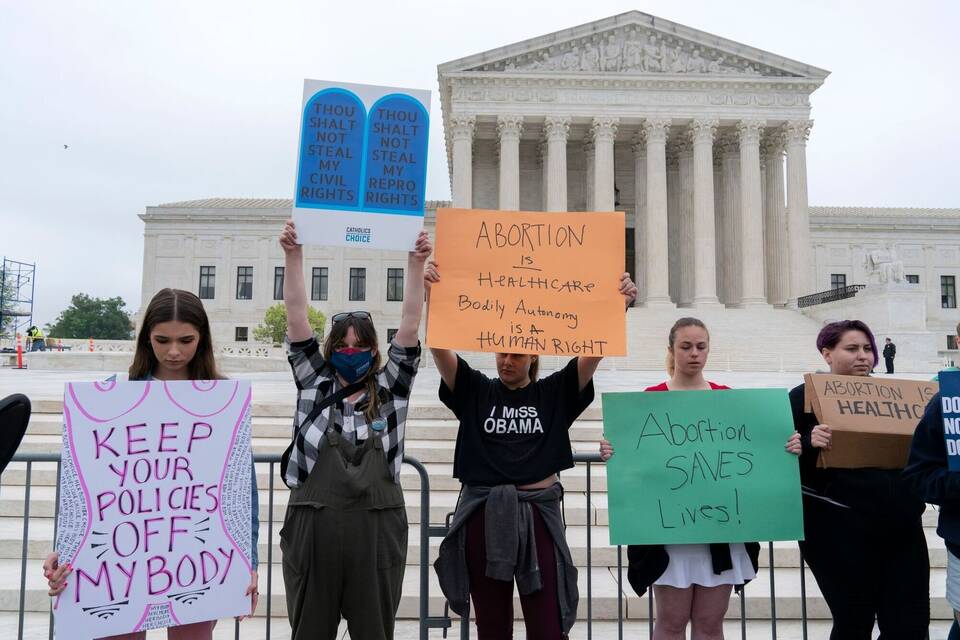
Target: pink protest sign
x,y
154,510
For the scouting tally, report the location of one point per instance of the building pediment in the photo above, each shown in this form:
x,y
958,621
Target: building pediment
x,y
632,43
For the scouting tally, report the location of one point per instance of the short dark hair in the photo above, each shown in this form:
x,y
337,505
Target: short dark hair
x,y
832,332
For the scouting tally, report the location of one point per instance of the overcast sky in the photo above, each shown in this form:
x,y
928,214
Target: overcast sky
x,y
177,100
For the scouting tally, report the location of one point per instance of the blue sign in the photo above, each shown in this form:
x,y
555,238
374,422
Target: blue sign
x,y
354,160
950,402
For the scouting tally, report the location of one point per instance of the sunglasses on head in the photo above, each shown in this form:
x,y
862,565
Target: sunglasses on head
x,y
360,315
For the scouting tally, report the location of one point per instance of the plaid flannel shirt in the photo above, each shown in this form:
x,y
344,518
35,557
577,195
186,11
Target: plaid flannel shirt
x,y
315,380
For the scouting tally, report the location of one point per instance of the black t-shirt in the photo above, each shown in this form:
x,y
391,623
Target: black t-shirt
x,y
514,436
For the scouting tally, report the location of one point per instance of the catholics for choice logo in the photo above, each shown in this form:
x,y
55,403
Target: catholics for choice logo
x,y
360,235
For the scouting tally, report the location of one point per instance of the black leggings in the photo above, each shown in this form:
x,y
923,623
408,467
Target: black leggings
x,y
869,567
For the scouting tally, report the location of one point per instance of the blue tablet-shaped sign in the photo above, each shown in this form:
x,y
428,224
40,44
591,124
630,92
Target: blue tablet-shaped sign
x,y
950,402
396,167
331,151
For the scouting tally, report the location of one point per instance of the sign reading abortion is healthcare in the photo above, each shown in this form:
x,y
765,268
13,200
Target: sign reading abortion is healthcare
x,y
155,500
362,166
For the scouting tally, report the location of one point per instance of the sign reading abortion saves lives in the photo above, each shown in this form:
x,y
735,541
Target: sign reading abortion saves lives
x,y
155,500
525,282
701,466
362,166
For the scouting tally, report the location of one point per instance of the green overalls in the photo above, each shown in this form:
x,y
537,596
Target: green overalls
x,y
344,544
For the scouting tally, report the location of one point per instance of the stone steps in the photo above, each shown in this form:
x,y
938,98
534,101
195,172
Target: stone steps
x,y
35,628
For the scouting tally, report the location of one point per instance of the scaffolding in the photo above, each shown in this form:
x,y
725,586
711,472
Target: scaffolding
x,y
17,280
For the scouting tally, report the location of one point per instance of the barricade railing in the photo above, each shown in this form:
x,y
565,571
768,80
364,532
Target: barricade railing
x,y
427,531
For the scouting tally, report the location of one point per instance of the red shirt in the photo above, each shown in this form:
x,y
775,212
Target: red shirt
x,y
663,386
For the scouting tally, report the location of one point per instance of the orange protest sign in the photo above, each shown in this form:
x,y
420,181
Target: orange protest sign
x,y
529,282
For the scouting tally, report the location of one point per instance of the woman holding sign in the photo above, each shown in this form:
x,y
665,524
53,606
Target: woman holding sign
x,y
344,536
174,343
692,583
928,472
512,441
864,536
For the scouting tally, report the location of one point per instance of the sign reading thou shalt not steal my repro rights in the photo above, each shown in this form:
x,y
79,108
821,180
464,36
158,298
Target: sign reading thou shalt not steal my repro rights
x,y
362,165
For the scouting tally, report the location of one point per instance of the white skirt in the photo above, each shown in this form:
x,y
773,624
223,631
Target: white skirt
x,y
691,564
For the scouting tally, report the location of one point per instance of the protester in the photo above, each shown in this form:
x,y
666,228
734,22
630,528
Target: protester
x,y
864,538
889,353
928,474
511,442
174,343
344,536
692,583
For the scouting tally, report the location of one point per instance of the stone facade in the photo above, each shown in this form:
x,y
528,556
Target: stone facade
x,y
700,140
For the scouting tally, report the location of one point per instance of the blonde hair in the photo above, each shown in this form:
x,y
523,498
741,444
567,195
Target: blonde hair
x,y
680,324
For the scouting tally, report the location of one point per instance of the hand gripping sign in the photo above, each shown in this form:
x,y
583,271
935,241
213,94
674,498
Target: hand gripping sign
x,y
154,512
362,166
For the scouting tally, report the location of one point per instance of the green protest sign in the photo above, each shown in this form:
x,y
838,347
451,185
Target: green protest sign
x,y
701,466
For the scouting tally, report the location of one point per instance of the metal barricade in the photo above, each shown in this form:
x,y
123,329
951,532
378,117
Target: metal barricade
x,y
427,531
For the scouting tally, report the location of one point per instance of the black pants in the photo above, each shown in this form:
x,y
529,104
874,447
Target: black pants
x,y
869,567
889,362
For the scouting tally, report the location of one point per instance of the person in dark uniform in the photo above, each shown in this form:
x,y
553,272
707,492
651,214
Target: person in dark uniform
x,y
344,535
889,353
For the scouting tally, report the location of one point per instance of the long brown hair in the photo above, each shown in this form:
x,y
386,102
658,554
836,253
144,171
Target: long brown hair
x,y
366,337
180,306
680,324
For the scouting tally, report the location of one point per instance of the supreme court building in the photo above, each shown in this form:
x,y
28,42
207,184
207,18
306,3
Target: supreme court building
x,y
699,139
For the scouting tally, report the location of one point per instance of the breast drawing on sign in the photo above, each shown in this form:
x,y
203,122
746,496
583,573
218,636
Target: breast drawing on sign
x,y
332,134
107,401
212,397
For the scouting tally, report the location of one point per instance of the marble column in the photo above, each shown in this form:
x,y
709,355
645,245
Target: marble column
x,y
673,218
509,129
730,207
604,132
639,213
796,133
718,221
557,129
702,133
656,241
461,129
751,208
685,222
589,169
775,229
544,170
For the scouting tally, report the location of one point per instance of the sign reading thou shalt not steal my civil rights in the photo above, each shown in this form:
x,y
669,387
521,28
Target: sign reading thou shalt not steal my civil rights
x,y
528,282
154,512
701,467
362,165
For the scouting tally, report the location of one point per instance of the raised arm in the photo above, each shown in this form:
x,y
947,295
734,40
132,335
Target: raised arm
x,y
294,289
445,359
407,334
587,366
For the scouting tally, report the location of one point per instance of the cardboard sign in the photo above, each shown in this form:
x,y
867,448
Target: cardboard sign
x,y
701,466
362,165
525,282
873,419
154,510
950,403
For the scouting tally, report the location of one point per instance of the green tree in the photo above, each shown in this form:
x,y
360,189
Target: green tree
x,y
274,325
99,318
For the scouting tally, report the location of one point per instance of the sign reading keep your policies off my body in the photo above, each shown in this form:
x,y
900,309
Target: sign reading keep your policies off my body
x,y
362,165
526,282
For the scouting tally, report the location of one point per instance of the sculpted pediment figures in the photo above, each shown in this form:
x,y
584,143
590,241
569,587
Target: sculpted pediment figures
x,y
631,50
